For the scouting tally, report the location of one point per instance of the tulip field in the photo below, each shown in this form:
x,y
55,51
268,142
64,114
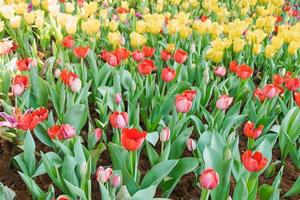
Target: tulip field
x,y
149,99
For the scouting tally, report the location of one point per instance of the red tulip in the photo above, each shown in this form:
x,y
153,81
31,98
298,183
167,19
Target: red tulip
x,y
220,71
41,113
111,58
122,53
80,2
224,102
165,55
68,42
121,10
297,98
209,179
180,56
25,64
251,132
61,132
168,74
183,104
277,79
63,197
254,162
270,91
71,80
28,122
138,55
189,94
20,83
292,84
233,66
148,51
259,94
244,71
81,52
146,67
132,138
204,18
119,120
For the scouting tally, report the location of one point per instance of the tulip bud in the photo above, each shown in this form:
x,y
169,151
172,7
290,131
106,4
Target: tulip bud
x,y
102,175
164,134
63,197
115,180
118,98
206,75
57,73
209,179
193,48
76,85
220,71
227,154
270,171
83,168
17,89
191,144
98,134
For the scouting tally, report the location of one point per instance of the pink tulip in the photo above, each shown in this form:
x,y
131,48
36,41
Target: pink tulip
x,y
224,102
115,180
67,131
138,55
220,71
209,179
183,104
98,134
164,134
119,119
17,89
118,98
63,197
76,85
191,144
102,175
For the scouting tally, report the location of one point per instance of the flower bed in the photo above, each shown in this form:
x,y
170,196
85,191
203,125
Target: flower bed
x,y
176,99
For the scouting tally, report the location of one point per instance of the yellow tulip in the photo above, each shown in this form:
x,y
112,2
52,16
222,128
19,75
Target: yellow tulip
x,y
256,49
269,51
293,47
140,26
277,42
91,26
113,25
15,21
1,26
238,45
114,38
29,17
70,7
35,2
185,32
137,40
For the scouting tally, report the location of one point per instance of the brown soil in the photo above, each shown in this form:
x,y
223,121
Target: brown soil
x,y
185,190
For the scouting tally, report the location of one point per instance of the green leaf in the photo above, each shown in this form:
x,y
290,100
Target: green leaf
x,y
6,193
29,156
75,190
295,189
157,173
68,170
32,186
104,192
183,166
145,194
179,144
123,194
76,116
240,191
265,191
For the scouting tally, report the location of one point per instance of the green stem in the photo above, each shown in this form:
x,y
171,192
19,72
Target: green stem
x,y
204,194
162,148
250,143
133,166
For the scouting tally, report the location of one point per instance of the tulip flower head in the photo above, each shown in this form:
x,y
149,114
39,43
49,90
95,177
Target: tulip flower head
x,y
244,71
61,132
63,197
297,98
146,67
164,134
20,83
292,84
220,71
26,64
209,179
148,51
251,132
138,56
168,74
103,175
81,52
71,80
165,55
224,102
68,42
119,119
132,139
253,162
115,180
180,56
184,101
27,121
191,144
118,98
